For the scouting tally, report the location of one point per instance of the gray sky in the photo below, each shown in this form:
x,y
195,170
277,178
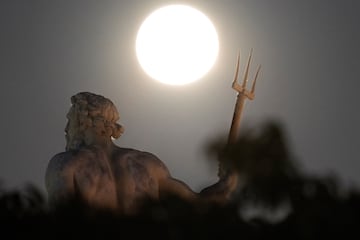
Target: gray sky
x,y
50,50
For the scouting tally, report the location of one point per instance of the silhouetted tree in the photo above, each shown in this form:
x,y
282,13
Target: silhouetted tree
x,y
313,207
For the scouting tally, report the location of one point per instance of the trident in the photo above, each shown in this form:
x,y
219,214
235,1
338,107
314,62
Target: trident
x,y
241,97
239,105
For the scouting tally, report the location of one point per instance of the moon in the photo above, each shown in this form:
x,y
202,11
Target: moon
x,y
177,44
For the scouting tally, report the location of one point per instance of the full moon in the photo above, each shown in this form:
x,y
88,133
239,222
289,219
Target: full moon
x,y
177,44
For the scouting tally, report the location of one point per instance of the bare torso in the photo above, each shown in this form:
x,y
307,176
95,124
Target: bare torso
x,y
120,179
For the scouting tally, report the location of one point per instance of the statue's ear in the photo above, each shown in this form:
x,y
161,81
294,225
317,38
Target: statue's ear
x,y
117,130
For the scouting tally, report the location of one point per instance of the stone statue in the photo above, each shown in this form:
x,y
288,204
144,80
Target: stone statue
x,y
108,176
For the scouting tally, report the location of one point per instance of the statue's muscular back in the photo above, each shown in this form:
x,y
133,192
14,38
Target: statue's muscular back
x,y
120,179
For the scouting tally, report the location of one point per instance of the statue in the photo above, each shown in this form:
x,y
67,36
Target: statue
x,y
105,175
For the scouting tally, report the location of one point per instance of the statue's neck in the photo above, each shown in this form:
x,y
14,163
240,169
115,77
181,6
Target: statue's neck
x,y
104,142
107,146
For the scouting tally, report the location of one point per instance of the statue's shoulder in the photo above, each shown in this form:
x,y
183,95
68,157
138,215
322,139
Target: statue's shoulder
x,y
67,159
137,155
134,153
59,163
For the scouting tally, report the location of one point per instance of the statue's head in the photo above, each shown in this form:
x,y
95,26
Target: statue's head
x,y
92,118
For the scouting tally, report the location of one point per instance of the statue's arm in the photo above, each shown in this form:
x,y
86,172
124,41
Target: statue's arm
x,y
59,180
174,187
223,190
219,193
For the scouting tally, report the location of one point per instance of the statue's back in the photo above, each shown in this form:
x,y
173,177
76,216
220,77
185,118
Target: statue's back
x,y
121,181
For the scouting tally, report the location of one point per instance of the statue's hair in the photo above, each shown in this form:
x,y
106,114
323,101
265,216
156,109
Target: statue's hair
x,y
97,112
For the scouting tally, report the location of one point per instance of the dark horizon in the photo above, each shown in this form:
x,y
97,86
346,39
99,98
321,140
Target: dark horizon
x,y
277,201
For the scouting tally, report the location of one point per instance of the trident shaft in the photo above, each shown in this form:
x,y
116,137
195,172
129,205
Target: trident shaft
x,y
242,95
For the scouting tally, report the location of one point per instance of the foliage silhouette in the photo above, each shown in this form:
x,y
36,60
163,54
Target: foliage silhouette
x,y
313,207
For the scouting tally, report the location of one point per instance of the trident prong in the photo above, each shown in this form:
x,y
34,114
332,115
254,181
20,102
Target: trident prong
x,y
246,74
253,86
236,71
243,93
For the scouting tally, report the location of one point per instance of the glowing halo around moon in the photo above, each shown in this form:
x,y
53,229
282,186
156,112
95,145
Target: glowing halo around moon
x,y
177,44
